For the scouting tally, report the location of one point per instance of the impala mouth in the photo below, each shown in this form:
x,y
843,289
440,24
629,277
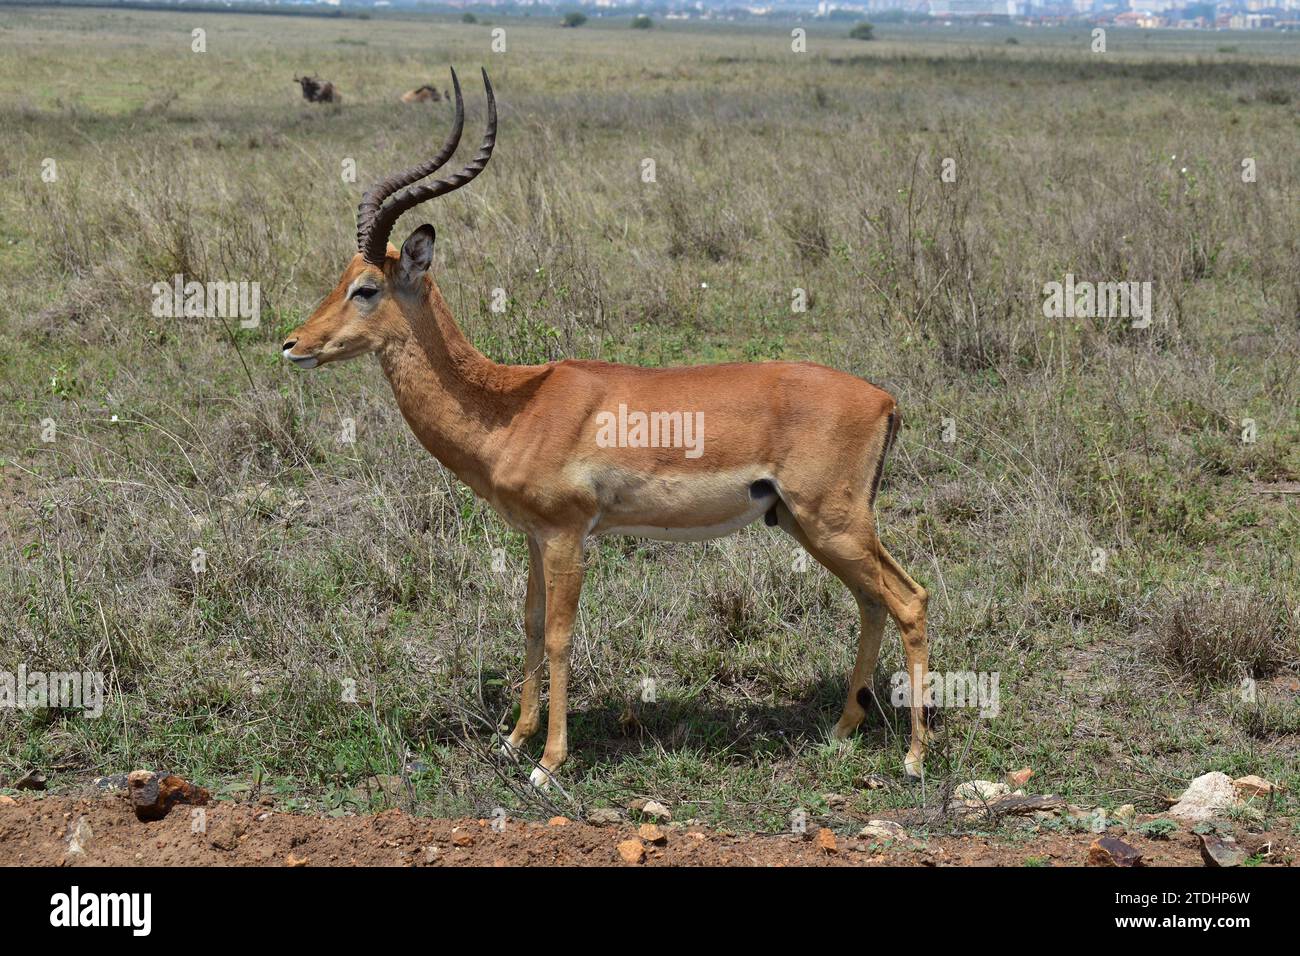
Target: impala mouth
x,y
302,361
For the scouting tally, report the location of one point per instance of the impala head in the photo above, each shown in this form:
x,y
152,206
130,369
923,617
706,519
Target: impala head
x,y
370,307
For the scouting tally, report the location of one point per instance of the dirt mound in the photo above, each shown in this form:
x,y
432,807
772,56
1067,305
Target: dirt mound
x,y
57,831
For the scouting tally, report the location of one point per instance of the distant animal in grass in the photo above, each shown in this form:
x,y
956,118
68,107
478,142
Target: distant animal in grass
x,y
424,94
316,90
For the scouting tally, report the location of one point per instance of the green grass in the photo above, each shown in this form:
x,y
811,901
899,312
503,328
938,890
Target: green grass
x,y
775,171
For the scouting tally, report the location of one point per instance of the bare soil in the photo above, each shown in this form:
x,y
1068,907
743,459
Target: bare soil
x,y
36,831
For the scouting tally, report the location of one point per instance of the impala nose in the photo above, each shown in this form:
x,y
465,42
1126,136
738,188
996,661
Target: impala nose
x,y
302,361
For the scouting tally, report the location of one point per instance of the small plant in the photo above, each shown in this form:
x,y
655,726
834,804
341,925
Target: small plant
x,y
1160,829
642,22
1012,41
468,17
862,31
574,19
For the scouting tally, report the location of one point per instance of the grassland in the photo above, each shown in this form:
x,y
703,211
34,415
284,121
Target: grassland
x,y
329,563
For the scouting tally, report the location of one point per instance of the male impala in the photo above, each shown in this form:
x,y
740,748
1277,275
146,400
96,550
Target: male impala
x,y
572,449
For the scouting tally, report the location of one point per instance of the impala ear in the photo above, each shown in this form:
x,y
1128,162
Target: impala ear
x,y
417,253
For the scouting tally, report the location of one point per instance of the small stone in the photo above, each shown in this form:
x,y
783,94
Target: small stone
x,y
7,801
981,791
632,851
431,854
652,833
558,822
1219,851
871,781
883,830
154,794
1253,786
226,835
1204,797
294,861
651,810
1018,778
462,838
1126,814
825,841
835,800
1111,851
604,816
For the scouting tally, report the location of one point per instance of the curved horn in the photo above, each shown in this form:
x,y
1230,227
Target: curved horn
x,y
376,242
375,196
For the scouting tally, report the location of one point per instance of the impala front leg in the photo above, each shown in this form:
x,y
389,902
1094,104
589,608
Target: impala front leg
x,y
562,563
530,707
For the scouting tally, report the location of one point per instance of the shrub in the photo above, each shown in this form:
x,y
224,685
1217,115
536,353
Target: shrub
x,y
642,22
1220,636
574,19
862,31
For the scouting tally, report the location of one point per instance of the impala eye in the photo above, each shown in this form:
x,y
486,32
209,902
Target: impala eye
x,y
365,292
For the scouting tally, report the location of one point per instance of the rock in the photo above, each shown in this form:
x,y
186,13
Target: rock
x,y
1018,778
1023,804
7,801
31,780
431,854
225,835
115,781
1205,796
294,861
883,830
632,851
1111,851
652,833
825,841
154,794
462,838
871,781
1220,851
651,809
558,822
604,817
981,791
1253,786
835,800
1126,815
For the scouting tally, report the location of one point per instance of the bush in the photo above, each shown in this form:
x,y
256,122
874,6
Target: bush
x,y
862,31
574,19
468,18
642,22
1219,636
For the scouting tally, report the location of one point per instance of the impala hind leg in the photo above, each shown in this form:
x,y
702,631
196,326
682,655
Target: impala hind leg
x,y
907,602
530,708
562,568
855,555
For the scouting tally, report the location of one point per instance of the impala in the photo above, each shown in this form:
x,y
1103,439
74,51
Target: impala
x,y
559,452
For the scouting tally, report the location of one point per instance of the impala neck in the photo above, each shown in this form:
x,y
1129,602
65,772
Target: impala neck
x,y
449,392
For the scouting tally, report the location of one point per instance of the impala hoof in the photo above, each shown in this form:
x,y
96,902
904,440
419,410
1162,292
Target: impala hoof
x,y
913,767
540,778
